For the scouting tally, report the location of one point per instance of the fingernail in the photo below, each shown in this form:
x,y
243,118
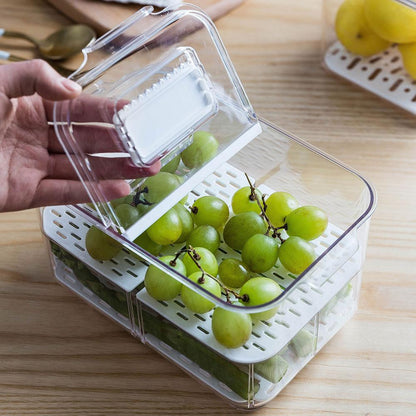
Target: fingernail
x,y
71,85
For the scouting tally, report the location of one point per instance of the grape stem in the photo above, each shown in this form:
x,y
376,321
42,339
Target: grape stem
x,y
195,257
263,207
139,199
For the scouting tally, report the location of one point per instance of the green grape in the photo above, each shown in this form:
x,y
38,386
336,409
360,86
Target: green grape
x,y
126,214
258,291
186,220
172,165
241,227
210,210
307,222
233,272
203,148
279,206
155,188
196,302
167,229
260,253
231,329
144,241
159,284
204,236
243,201
101,246
123,200
296,254
205,259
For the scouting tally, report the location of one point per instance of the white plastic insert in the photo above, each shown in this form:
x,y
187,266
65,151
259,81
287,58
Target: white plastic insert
x,y
165,115
382,74
268,338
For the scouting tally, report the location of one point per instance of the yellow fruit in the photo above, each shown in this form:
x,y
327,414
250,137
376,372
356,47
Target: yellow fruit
x,y
353,31
408,51
391,20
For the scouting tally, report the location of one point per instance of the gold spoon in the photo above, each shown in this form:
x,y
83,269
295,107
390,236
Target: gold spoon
x,y
6,56
61,44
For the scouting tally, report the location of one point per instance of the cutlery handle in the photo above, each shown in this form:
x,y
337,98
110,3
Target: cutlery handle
x,y
7,56
12,34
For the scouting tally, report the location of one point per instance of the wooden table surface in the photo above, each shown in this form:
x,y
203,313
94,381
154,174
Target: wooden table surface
x,y
58,356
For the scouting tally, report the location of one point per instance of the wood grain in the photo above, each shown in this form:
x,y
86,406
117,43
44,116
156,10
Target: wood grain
x,y
60,357
104,16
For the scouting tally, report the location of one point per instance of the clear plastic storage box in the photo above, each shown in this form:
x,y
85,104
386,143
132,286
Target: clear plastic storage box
x,y
372,43
155,81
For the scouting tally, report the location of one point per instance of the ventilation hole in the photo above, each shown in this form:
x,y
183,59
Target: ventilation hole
x,y
200,317
125,250
395,85
74,225
278,275
303,289
294,312
335,51
283,323
308,302
267,323
222,250
162,302
259,347
406,90
206,183
143,262
79,247
114,261
414,99
364,68
196,193
224,194
324,244
76,236
373,60
232,174
394,59
61,235
334,234
315,289
374,74
221,183
132,273
256,335
70,214
385,79
181,315
203,330
86,225
209,192
343,57
353,63
179,303
270,335
235,185
56,213
58,224
386,52
395,70
128,261
117,272
217,174
245,347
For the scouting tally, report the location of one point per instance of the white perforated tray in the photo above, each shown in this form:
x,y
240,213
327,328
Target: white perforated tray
x,y
68,229
383,74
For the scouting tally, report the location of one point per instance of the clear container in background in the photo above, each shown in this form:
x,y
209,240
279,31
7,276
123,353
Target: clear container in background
x,y
373,45
313,305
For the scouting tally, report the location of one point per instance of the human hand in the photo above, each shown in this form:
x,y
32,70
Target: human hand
x,y
34,171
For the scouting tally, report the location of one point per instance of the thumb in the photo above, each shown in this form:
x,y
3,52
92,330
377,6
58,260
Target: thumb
x,y
26,78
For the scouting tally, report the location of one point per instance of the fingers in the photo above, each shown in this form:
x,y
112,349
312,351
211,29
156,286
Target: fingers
x,y
104,168
26,78
89,109
91,139
62,192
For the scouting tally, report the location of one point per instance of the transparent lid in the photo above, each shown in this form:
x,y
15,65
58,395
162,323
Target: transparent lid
x,y
153,87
